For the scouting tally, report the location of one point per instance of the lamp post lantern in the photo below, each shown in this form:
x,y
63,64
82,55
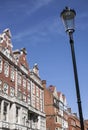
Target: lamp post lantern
x,y
68,16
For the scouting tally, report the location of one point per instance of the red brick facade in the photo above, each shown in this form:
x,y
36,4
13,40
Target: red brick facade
x,y
21,90
56,118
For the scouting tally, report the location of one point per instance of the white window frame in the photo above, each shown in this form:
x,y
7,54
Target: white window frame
x,y
17,114
19,78
41,94
19,95
5,88
28,86
5,112
24,83
37,91
12,74
37,103
24,98
1,62
33,88
6,69
29,100
33,101
41,105
12,91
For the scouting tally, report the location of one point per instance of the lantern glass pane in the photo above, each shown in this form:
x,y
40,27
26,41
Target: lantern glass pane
x,y
68,20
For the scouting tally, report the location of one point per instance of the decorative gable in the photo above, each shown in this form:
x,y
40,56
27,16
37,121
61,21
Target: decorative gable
x,y
5,39
20,57
5,44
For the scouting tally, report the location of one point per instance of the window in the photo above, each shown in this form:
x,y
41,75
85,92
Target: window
x,y
17,114
24,120
5,88
24,83
37,91
37,103
0,85
19,95
0,64
11,91
19,79
5,111
54,100
28,86
12,74
33,101
41,94
6,69
41,105
61,106
58,119
73,122
33,88
29,101
24,98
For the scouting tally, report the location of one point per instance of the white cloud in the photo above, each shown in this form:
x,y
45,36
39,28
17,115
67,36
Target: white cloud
x,y
38,4
41,32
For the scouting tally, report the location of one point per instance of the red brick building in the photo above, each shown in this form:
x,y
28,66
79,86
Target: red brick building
x,y
73,121
86,124
58,116
21,90
55,108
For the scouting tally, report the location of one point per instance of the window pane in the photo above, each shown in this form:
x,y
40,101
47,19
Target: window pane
x,y
24,83
19,95
5,88
19,79
6,69
12,74
11,91
5,111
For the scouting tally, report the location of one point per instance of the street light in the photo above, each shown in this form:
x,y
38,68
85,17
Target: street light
x,y
68,16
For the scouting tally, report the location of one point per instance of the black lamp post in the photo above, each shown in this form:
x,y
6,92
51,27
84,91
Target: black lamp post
x,y
68,16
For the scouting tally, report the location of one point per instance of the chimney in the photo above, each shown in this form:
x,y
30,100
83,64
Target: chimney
x,y
69,110
23,50
44,83
75,114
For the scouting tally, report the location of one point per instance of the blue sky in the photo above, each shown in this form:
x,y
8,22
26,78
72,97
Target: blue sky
x,y
36,25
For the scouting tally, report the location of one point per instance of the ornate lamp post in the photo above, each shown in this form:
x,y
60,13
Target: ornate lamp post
x,y
68,16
